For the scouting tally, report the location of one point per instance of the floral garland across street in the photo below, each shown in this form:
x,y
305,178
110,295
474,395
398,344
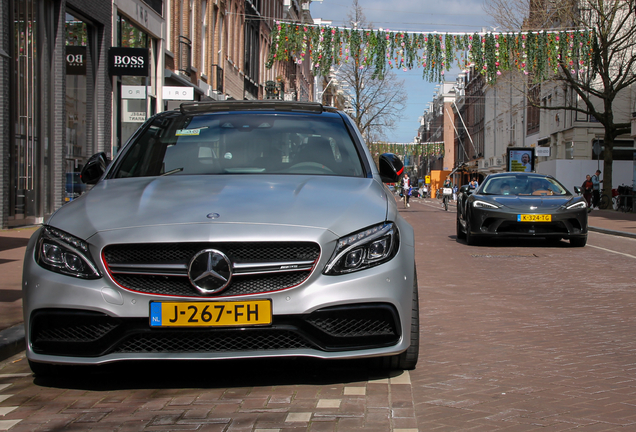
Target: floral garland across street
x,y
413,149
535,53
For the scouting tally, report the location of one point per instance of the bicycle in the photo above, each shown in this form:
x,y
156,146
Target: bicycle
x,y
603,202
405,196
446,194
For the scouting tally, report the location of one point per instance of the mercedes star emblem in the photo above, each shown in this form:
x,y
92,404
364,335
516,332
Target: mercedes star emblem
x,y
210,271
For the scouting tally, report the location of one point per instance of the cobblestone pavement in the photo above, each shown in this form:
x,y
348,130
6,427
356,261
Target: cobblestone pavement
x,y
516,336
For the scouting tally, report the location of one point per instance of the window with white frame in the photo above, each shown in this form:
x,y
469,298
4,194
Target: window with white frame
x,y
204,36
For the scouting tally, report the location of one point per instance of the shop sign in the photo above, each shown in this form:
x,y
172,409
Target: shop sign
x,y
75,60
134,116
178,93
128,61
133,92
543,151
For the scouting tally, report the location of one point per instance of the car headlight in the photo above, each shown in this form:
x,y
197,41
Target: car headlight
x,y
483,204
60,252
578,205
364,249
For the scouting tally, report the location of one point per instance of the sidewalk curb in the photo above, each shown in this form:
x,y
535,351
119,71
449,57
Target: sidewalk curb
x,y
611,232
12,341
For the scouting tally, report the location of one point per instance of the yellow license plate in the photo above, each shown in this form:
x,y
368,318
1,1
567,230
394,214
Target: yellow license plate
x,y
211,314
534,218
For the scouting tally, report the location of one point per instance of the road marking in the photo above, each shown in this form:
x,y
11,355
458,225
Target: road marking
x,y
6,410
329,403
298,417
613,251
8,424
355,391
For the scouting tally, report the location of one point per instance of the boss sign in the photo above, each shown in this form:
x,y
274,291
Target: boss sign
x,y
128,61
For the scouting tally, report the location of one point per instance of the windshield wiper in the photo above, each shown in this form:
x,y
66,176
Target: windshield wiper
x,y
176,170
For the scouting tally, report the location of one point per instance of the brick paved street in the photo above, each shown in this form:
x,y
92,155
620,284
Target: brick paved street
x,y
516,336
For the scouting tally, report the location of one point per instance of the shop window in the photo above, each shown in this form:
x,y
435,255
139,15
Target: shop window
x,y
78,107
133,112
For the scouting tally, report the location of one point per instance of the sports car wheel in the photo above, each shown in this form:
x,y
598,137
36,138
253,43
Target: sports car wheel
x,y
460,234
578,241
408,359
470,239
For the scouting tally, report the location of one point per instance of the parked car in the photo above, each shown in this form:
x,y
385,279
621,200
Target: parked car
x,y
167,257
521,205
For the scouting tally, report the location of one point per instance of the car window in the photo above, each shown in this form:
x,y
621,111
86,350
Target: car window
x,y
239,143
522,185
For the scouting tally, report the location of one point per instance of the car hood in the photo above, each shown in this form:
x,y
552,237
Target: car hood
x,y
528,203
339,204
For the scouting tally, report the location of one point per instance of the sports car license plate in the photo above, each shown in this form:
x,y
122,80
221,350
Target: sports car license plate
x,y
534,218
210,314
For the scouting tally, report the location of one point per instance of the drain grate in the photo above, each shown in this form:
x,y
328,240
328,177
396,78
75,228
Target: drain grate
x,y
504,256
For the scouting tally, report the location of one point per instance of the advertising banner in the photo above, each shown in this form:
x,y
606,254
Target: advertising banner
x,y
521,159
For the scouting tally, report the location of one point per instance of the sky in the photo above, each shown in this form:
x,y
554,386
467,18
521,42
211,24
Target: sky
x,y
410,15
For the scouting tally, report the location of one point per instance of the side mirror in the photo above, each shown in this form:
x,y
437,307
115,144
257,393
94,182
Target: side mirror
x,y
577,190
95,168
391,168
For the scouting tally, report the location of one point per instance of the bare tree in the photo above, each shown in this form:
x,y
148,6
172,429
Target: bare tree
x,y
377,103
614,66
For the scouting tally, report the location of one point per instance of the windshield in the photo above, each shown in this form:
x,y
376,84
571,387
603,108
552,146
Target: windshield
x,y
522,185
242,143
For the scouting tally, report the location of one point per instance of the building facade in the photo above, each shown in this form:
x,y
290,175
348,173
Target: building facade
x,y
78,77
56,93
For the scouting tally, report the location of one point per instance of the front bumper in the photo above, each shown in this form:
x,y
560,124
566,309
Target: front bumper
x,y
363,314
504,223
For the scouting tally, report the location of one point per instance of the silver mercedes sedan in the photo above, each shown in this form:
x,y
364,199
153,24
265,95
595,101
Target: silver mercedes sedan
x,y
227,230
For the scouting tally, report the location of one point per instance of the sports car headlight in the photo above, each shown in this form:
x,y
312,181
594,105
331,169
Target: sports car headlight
x,y
60,252
483,204
578,205
364,249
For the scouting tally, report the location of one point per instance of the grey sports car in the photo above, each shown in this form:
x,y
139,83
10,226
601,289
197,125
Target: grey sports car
x,y
227,230
521,205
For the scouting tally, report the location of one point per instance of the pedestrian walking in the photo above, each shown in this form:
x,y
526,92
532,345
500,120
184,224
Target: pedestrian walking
x,y
474,184
596,189
406,189
586,187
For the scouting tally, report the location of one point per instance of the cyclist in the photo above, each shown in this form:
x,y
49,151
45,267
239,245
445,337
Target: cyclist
x,y
448,185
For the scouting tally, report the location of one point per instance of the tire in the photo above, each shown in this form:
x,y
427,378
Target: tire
x,y
460,234
445,204
471,240
604,202
408,359
578,241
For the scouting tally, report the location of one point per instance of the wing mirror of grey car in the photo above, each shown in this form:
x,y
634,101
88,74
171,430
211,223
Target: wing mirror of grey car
x,y
95,168
391,168
577,190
